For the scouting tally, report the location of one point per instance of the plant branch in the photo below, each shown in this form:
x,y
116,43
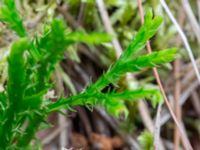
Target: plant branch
x,y
184,138
118,50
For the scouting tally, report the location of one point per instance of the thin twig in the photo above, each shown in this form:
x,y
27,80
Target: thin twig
x,y
157,124
185,140
81,12
177,89
177,106
165,115
145,116
108,26
61,119
157,143
63,140
187,46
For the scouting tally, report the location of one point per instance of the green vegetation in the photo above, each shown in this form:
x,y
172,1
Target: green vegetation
x,y
146,140
32,60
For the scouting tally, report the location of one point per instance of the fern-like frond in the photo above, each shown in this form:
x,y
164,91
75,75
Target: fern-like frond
x,y
133,65
113,102
148,29
147,61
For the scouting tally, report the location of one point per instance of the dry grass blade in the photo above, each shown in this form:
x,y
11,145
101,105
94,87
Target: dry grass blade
x,y
61,118
108,26
177,89
184,97
185,41
192,20
157,144
177,107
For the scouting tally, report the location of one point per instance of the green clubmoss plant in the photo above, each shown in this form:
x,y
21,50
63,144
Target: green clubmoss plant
x,y
32,60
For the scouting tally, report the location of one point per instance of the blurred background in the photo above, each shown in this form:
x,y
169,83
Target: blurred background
x,y
87,129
